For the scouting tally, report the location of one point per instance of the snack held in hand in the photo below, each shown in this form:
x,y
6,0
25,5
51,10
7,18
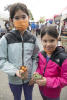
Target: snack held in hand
x,y
23,72
24,68
37,76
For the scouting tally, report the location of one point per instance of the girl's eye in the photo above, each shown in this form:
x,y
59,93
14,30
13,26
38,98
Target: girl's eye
x,y
45,41
51,40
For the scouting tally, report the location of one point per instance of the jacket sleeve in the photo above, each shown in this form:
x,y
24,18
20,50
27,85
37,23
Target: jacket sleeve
x,y
35,57
40,63
54,82
5,65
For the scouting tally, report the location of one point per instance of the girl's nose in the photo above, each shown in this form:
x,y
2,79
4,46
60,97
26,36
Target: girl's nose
x,y
48,43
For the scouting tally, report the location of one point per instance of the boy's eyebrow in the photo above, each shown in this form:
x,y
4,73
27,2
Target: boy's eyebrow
x,y
20,16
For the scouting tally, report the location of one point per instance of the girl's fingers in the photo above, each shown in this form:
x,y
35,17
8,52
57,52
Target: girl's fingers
x,y
35,73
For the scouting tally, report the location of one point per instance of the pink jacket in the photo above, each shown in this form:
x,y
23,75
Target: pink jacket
x,y
55,72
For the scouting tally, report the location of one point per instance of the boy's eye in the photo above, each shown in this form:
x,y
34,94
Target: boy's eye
x,y
16,18
22,17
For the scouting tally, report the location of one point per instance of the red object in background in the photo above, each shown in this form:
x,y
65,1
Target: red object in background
x,y
47,19
56,16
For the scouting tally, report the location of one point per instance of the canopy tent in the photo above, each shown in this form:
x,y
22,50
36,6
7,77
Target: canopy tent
x,y
64,17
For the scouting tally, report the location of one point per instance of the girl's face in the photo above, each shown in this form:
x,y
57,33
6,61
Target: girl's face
x,y
49,43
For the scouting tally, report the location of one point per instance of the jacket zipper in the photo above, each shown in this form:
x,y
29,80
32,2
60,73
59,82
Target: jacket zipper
x,y
22,51
44,69
47,60
22,54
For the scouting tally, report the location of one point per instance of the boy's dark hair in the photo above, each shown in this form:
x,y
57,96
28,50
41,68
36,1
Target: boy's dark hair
x,y
18,6
50,30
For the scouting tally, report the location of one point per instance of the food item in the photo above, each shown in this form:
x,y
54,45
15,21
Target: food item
x,y
37,76
23,71
24,68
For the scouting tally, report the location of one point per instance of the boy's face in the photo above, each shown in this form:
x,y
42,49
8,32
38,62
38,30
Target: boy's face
x,y
20,15
49,43
20,20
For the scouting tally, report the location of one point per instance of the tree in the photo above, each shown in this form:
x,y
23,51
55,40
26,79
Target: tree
x,y
42,19
7,8
31,16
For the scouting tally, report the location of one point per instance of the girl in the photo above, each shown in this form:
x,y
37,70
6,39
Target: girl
x,y
19,48
52,65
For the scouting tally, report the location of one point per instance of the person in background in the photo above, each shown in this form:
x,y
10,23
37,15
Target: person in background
x,y
29,27
7,26
0,30
52,65
18,48
37,29
33,28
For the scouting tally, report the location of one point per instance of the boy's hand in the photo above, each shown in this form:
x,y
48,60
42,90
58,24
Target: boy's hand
x,y
21,74
41,82
24,75
18,74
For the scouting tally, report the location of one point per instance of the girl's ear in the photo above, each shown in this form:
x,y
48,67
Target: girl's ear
x,y
10,20
59,38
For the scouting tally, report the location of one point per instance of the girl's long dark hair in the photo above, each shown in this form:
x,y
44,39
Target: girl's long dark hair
x,y
50,30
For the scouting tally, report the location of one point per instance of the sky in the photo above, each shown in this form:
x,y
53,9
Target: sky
x,y
39,8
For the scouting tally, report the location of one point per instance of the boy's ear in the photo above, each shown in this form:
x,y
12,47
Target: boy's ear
x,y
28,17
11,21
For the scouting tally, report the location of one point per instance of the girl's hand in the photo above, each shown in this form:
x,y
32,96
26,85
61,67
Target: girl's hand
x,y
41,82
35,73
31,82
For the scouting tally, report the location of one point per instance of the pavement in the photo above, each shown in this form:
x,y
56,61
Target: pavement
x,y
6,94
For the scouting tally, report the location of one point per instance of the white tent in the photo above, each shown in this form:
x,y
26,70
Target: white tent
x,y
64,17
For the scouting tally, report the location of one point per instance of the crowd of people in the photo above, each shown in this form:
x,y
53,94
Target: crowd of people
x,y
21,58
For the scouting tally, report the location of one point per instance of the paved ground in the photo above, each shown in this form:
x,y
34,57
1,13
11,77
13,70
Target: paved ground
x,y
5,93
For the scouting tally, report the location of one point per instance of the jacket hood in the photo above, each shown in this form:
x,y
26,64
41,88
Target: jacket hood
x,y
17,34
59,49
27,36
